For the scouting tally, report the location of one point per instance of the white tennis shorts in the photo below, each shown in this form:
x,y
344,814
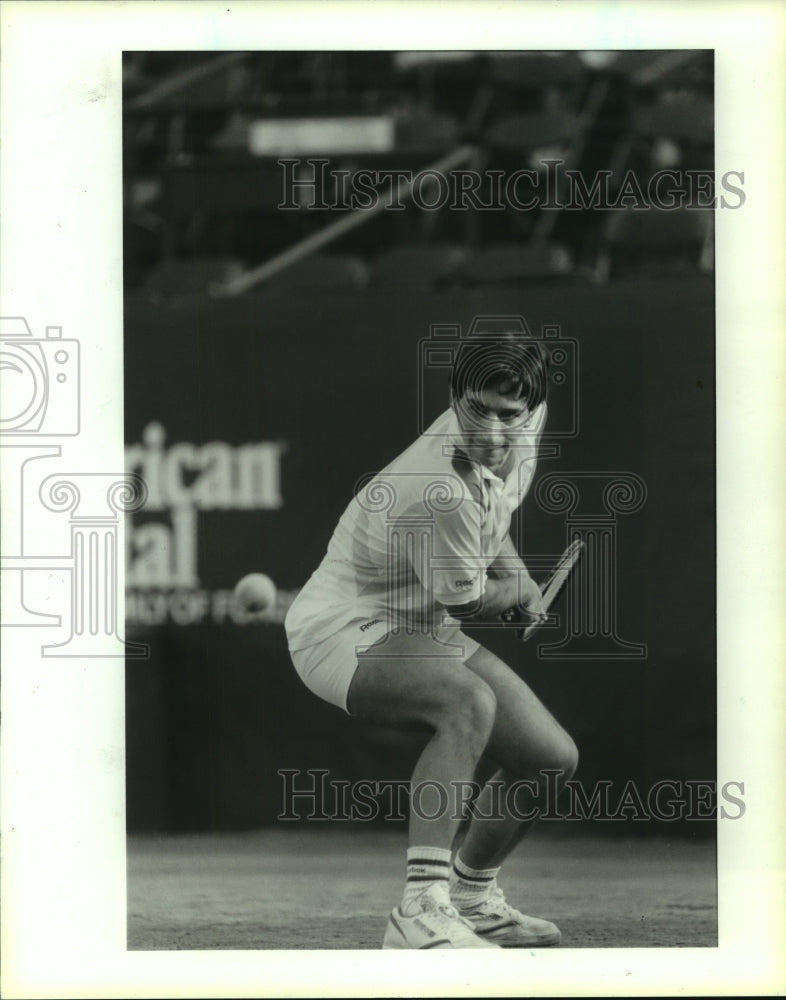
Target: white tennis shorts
x,y
327,667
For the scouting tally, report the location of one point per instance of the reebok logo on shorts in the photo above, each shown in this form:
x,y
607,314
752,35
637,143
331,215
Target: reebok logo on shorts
x,y
463,583
365,625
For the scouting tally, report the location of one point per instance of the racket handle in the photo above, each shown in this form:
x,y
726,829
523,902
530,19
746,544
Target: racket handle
x,y
517,616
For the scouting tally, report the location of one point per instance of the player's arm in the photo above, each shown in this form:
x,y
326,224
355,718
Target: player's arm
x,y
508,562
500,594
470,592
507,585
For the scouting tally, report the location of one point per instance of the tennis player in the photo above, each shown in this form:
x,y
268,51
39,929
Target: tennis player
x,y
377,630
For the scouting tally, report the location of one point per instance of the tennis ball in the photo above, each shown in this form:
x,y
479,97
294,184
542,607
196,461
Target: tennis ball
x,y
255,593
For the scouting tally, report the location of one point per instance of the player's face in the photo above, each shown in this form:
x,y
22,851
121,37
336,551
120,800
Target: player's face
x,y
491,422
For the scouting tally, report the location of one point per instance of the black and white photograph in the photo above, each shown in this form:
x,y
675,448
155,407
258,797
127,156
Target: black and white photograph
x,y
421,322
399,524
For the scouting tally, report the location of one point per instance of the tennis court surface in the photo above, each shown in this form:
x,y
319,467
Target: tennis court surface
x,y
332,888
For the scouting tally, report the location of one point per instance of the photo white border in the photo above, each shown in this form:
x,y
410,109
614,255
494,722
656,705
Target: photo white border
x,y
63,816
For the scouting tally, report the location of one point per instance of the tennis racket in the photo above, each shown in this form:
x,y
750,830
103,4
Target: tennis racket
x,y
550,589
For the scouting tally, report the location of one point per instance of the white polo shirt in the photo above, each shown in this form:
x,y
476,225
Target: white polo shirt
x,y
418,536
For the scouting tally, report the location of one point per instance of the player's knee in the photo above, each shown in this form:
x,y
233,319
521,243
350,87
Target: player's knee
x,y
558,757
468,709
565,758
482,709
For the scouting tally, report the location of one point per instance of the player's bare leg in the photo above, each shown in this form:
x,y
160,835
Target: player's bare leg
x,y
400,684
526,740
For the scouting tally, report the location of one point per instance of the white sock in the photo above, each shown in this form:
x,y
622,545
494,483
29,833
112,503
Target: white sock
x,y
470,886
426,867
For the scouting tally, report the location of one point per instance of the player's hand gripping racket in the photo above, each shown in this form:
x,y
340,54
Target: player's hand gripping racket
x,y
550,589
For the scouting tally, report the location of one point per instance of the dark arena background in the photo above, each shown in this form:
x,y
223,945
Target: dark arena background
x,y
276,355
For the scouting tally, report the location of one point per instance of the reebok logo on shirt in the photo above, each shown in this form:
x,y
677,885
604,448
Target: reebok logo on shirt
x,y
463,583
374,621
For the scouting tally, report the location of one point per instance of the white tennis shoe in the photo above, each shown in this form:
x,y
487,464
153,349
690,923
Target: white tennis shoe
x,y
437,925
496,921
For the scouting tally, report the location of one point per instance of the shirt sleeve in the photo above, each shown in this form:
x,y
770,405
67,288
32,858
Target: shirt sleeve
x,y
457,574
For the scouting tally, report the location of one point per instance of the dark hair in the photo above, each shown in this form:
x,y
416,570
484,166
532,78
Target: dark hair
x,y
505,359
